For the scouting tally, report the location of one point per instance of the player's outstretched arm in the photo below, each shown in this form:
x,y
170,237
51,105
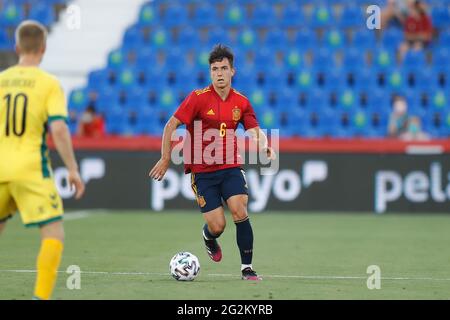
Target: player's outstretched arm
x,y
61,136
259,136
160,168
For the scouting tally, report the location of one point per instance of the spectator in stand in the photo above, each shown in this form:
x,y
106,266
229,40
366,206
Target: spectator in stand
x,y
398,120
414,131
418,28
91,124
394,13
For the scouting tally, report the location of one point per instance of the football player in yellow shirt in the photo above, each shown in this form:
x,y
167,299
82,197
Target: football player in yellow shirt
x,y
31,101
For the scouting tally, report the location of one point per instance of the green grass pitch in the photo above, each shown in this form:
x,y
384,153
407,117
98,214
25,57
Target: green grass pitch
x,y
125,255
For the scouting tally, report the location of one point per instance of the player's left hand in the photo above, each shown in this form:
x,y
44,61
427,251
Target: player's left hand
x,y
159,170
270,153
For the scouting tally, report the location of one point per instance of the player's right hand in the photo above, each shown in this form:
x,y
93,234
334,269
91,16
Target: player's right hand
x,y
160,169
75,181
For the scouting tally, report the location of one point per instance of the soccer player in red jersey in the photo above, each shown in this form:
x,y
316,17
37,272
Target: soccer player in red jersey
x,y
217,111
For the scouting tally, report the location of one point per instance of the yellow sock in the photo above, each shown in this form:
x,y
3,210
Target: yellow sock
x,y
48,262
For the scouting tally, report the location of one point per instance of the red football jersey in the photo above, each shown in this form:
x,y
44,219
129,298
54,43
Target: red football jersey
x,y
205,108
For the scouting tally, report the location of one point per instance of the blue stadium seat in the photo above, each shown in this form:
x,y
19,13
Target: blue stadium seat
x,y
247,38
363,39
294,59
287,100
263,17
264,59
268,118
116,59
159,39
145,57
133,37
333,40
441,57
352,17
425,78
188,38
414,60
292,16
258,98
218,35
364,80
205,16
115,120
316,100
444,39
78,100
276,39
306,79
395,80
383,59
439,100
43,14
126,78
175,16
321,17
244,77
378,101
167,100
323,60
234,15
98,79
11,15
360,123
440,16
334,80
305,39
6,43
348,100
353,60
147,123
391,38
148,15
107,99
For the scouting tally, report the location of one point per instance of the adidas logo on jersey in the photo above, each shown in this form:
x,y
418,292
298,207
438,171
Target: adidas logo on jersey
x,y
211,112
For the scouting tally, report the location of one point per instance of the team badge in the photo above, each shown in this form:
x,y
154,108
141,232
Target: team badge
x,y
201,201
236,114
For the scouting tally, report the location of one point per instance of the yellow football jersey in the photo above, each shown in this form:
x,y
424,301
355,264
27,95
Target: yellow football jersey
x,y
29,99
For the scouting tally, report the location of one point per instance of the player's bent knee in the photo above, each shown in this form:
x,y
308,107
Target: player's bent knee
x,y
54,230
217,228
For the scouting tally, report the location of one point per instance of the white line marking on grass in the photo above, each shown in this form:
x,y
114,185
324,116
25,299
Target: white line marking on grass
x,y
311,277
80,214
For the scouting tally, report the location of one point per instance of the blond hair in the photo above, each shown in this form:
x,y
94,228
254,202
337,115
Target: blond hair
x,y
31,36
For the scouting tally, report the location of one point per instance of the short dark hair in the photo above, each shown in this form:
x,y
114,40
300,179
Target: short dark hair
x,y
220,52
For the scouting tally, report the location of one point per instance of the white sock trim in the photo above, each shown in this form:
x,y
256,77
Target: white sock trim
x,y
243,266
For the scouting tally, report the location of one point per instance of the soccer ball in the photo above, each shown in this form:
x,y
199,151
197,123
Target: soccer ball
x,y
184,266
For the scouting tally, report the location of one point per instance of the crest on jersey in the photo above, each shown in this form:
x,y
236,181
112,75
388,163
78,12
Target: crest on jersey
x,y
236,114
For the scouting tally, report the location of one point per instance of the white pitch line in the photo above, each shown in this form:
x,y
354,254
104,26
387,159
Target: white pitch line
x,y
80,214
311,277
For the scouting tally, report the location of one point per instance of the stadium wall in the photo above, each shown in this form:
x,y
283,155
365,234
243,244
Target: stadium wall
x,y
313,175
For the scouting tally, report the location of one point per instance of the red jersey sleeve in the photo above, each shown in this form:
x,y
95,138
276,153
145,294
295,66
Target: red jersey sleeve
x,y
187,111
249,117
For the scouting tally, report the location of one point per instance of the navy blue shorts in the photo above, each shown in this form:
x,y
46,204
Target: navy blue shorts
x,y
211,187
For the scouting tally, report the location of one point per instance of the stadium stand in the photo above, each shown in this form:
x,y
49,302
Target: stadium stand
x,y
311,68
